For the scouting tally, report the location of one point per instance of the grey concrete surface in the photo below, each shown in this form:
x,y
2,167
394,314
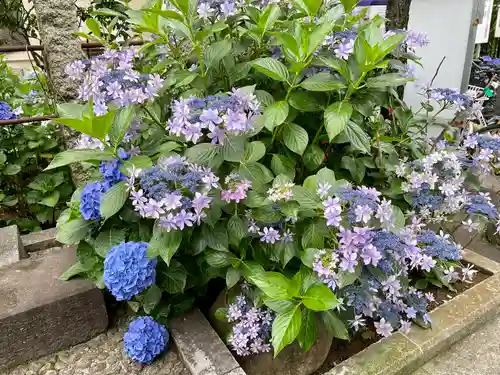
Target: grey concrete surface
x,y
477,354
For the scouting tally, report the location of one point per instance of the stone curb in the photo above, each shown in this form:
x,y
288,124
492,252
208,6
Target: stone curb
x,y
201,348
402,354
41,240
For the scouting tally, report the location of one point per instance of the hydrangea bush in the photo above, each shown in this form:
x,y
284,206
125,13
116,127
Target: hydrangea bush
x,y
265,154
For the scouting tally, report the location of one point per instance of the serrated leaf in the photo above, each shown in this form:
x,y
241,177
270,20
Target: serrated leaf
x,y
313,157
233,148
335,325
164,244
387,80
72,231
72,156
273,284
314,234
336,117
108,239
205,154
219,259
151,298
215,52
322,81
280,164
295,138
75,270
11,169
358,137
254,151
272,68
113,200
236,230
286,328
306,198
275,114
319,298
305,101
175,278
309,331
232,277
51,200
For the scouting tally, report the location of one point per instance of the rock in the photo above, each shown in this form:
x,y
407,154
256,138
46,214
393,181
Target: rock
x,y
40,314
11,247
41,240
291,361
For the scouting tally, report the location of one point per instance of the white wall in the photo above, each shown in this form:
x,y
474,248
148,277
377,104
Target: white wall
x,y
451,30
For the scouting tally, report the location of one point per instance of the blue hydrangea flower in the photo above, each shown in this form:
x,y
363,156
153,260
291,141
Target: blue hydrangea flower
x,y
6,112
480,204
145,339
128,271
111,172
90,201
437,246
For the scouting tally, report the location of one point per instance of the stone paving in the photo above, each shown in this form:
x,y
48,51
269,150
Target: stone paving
x,y
102,355
477,354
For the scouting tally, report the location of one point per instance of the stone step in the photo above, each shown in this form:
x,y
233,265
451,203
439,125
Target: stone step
x,y
40,314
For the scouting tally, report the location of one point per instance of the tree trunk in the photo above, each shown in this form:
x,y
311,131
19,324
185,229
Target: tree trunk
x,y
398,14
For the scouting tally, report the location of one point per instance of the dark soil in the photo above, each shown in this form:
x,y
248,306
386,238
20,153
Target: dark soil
x,y
342,350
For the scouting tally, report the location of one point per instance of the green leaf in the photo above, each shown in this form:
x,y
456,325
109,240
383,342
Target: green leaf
x,y
313,157
336,117
113,200
205,154
215,52
272,68
255,172
221,314
358,137
286,328
151,298
314,234
164,244
254,151
11,169
233,148
278,305
139,162
219,259
355,166
305,101
280,164
255,199
174,278
232,277
399,218
295,138
319,298
108,239
275,114
309,331
168,147
349,4
322,81
387,80
216,237
51,200
273,284
73,231
236,230
305,197
334,325
72,156
93,26
268,17
348,278
74,270
311,7
308,256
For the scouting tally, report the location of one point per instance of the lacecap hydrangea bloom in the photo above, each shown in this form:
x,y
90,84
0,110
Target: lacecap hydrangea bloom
x,y
128,271
174,191
145,339
111,78
215,116
251,327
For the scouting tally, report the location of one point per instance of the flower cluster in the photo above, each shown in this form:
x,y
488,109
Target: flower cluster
x,y
218,8
174,191
281,192
449,98
110,78
436,184
363,205
438,246
128,271
90,201
491,60
6,112
341,43
215,116
236,188
485,150
251,329
145,339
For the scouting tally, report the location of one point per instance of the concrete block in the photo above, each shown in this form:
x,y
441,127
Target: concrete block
x,y
41,240
201,349
11,247
40,314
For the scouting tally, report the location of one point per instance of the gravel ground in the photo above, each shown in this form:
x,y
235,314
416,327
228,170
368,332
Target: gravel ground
x,y
102,355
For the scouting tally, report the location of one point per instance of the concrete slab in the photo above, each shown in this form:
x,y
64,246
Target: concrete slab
x,y
40,314
11,247
41,240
